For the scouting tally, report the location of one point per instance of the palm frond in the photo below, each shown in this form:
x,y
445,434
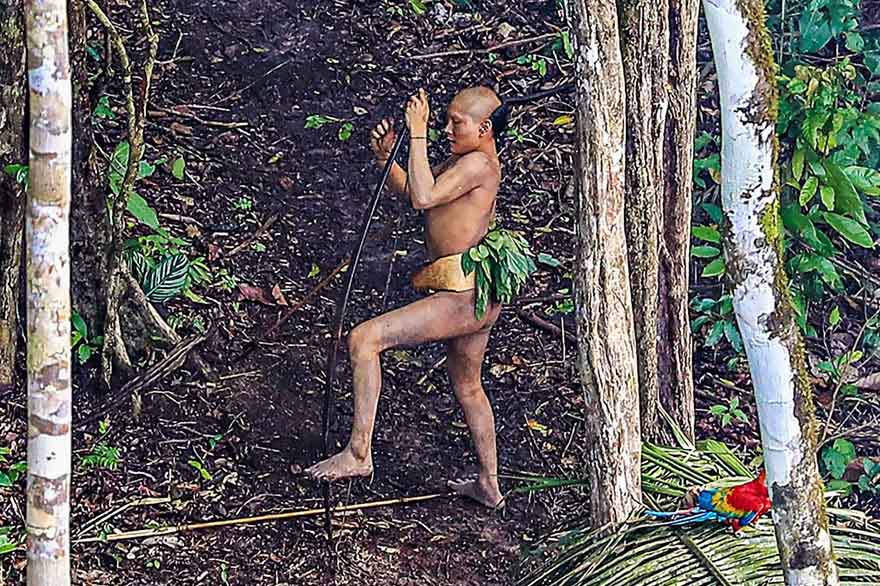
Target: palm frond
x,y
644,552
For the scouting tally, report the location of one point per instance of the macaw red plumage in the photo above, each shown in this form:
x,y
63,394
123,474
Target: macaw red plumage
x,y
736,506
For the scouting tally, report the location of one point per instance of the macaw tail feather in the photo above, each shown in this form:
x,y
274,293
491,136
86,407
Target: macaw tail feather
x,y
662,514
685,517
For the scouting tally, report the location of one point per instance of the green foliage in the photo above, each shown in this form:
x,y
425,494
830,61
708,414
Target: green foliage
x,y
837,457
707,161
828,171
102,456
716,318
726,413
80,341
536,62
12,472
103,110
823,20
203,472
11,539
502,263
18,172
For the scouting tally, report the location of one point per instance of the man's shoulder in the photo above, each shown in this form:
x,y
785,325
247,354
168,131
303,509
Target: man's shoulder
x,y
475,162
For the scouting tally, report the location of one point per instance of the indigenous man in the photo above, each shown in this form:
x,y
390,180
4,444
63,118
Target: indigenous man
x,y
458,198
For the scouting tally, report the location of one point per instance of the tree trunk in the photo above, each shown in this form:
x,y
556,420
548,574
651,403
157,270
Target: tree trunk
x,y
658,196
48,308
675,357
645,41
606,356
12,150
761,300
88,219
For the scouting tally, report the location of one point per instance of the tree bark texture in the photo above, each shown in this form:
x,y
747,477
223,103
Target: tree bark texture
x,y
88,226
12,150
761,299
658,42
644,46
606,351
48,295
675,355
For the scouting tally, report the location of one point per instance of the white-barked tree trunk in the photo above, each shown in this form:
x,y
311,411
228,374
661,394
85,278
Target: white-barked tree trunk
x,y
48,295
753,251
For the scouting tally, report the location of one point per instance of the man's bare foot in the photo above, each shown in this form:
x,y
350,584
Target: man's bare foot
x,y
343,465
484,491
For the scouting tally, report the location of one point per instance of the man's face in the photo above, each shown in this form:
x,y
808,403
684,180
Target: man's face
x,y
462,131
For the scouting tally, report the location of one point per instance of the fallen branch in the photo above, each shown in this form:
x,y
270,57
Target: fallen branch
x,y
171,530
171,363
257,235
491,49
543,324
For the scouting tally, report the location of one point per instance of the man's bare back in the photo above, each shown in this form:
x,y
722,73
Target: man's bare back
x,y
458,198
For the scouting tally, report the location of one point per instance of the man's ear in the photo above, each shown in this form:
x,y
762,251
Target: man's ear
x,y
485,126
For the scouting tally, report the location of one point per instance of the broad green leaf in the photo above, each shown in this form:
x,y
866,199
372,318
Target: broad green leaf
x,y
700,322
847,200
79,324
707,233
119,160
84,353
345,131
178,167
548,260
732,335
827,197
808,190
849,229
740,415
167,279
145,169
854,42
715,334
840,485
864,179
795,221
703,304
797,163
717,410
734,403
102,110
714,212
705,251
140,209
834,318
714,268
846,448
316,121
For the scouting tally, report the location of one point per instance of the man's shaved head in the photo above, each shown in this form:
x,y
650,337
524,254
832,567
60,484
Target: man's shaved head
x,y
478,102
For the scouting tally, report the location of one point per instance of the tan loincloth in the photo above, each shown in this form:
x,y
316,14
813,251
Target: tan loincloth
x,y
444,274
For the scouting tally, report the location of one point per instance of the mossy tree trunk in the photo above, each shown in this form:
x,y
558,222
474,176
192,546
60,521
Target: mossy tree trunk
x,y
48,295
606,351
12,151
761,299
658,195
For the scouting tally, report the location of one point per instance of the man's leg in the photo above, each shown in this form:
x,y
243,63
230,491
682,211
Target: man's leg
x,y
438,317
464,362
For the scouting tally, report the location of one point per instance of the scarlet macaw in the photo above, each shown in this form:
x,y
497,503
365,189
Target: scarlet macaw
x,y
737,506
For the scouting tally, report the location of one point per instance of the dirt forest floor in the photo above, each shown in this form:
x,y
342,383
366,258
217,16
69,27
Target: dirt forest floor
x,y
274,206
235,84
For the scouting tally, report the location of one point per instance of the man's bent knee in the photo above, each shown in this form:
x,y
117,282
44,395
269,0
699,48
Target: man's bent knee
x,y
469,391
364,340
